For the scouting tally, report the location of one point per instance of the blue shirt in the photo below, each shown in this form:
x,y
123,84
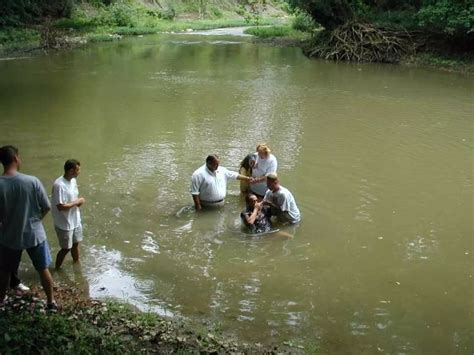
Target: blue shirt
x,y
22,202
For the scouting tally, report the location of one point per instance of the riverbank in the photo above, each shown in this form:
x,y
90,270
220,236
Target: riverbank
x,y
85,325
95,22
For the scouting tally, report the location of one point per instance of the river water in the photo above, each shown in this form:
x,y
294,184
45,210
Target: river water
x,y
378,157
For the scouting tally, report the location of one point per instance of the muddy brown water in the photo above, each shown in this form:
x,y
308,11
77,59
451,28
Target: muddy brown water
x,y
378,157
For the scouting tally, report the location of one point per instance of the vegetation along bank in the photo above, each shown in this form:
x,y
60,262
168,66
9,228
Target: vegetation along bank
x,y
427,32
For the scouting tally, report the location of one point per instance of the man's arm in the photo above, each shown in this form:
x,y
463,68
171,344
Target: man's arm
x,y
197,202
67,206
43,200
195,191
249,220
244,178
59,199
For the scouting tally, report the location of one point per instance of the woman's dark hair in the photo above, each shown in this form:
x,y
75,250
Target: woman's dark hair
x,y
246,162
8,154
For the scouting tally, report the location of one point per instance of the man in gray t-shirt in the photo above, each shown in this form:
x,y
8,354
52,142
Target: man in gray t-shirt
x,y
23,204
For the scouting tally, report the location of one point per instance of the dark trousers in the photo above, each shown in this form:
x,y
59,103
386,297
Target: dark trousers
x,y
14,280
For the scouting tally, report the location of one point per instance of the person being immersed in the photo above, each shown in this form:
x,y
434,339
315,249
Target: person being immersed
x,y
255,215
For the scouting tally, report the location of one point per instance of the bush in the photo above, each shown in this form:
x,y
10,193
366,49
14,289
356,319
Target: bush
x,y
216,12
269,32
19,12
14,38
303,22
450,17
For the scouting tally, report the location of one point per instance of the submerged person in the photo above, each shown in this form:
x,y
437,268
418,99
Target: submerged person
x,y
256,216
246,170
265,163
209,183
66,213
281,201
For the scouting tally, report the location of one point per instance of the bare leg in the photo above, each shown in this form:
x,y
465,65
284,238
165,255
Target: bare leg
x,y
4,282
75,252
60,257
47,283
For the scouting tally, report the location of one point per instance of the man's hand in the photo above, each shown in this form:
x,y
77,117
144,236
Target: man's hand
x,y
80,201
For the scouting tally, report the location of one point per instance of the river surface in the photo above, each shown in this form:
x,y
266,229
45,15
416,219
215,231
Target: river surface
x,y
378,157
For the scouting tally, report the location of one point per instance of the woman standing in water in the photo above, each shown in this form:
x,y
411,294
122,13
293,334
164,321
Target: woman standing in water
x,y
265,163
246,170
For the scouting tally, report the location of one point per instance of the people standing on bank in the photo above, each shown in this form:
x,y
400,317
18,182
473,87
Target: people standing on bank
x,y
209,183
66,213
246,170
23,205
265,163
281,200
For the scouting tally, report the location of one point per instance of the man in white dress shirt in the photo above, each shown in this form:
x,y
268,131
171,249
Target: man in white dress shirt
x,y
209,183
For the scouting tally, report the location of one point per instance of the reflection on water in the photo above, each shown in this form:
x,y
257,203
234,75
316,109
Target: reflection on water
x,y
379,159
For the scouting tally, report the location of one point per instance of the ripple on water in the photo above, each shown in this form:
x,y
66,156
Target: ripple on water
x,y
421,247
149,244
366,199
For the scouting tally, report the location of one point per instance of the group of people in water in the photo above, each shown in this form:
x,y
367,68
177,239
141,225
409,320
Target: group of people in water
x,y
23,205
265,197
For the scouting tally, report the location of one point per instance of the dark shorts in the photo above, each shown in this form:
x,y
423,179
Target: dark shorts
x,y
39,255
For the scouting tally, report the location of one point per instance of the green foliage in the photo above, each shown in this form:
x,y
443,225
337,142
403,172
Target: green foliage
x,y
453,18
216,12
328,13
40,333
451,63
269,32
14,38
255,11
18,12
303,22
394,19
448,16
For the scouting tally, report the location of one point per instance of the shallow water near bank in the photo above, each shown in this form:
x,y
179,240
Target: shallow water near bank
x,y
379,159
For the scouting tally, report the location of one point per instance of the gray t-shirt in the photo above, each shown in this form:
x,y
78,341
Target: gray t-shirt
x,y
22,202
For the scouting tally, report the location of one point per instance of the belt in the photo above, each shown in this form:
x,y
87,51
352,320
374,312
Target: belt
x,y
219,201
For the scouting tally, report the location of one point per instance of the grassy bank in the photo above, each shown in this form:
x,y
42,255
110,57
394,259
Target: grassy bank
x,y
94,21
86,326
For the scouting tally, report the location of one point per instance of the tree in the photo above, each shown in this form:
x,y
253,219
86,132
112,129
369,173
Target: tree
x,y
328,13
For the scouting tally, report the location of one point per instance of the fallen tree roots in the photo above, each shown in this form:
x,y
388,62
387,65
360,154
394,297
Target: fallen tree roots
x,y
361,43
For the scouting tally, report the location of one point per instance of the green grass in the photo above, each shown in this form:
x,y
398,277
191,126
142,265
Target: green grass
x,y
464,64
16,38
85,326
276,32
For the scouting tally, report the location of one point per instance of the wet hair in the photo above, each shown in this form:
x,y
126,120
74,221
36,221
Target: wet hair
x,y
212,158
272,176
71,164
8,154
247,198
264,147
245,163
